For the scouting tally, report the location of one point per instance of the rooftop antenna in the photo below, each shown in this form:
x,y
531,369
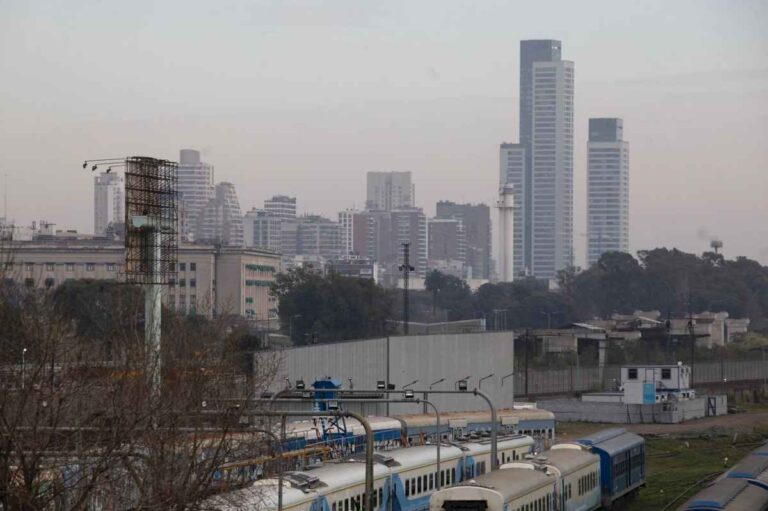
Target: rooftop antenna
x,y
5,200
406,268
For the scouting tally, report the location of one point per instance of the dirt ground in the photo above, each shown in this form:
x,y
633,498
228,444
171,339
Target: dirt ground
x,y
744,422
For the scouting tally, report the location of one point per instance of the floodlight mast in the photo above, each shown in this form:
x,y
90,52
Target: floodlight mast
x,y
151,245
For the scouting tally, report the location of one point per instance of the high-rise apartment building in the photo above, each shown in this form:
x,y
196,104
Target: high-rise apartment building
x,y
543,188
607,188
347,223
108,201
379,235
512,179
476,223
261,229
552,168
220,221
389,191
195,185
281,206
447,240
531,51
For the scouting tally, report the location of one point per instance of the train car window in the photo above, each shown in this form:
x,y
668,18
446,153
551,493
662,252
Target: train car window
x,y
346,504
431,481
453,475
424,482
418,485
442,478
333,507
407,487
381,495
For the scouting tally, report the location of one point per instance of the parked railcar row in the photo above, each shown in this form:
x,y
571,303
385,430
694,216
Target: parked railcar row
x,y
596,471
407,430
743,487
404,479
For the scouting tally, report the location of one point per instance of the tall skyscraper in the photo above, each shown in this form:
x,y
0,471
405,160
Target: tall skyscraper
x,y
476,222
552,162
281,206
512,172
195,184
221,221
607,188
261,229
108,201
388,191
531,51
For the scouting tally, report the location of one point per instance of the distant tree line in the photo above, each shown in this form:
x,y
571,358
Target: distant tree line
x,y
316,308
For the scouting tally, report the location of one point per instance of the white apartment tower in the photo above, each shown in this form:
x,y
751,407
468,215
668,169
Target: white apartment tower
x,y
389,191
607,188
108,201
261,229
281,206
551,199
195,185
512,173
347,223
220,221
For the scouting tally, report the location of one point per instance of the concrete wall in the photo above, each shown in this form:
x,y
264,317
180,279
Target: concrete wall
x,y
619,413
400,360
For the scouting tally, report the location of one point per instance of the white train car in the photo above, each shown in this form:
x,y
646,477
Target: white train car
x,y
404,479
578,471
517,487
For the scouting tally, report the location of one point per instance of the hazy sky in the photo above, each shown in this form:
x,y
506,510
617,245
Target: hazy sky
x,y
305,97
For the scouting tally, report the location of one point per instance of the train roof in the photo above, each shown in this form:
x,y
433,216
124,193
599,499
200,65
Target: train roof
x,y
567,460
411,457
260,494
618,441
601,436
509,482
762,450
420,419
752,466
728,494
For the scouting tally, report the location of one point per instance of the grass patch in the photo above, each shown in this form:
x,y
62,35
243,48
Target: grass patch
x,y
673,465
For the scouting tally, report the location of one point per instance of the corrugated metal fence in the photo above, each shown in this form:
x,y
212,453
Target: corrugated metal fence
x,y
585,379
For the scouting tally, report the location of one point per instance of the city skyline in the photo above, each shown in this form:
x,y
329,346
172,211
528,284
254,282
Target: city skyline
x,y
695,107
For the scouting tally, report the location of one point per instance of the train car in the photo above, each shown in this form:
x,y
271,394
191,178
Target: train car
x,y
457,426
578,471
754,466
517,487
729,494
622,462
404,479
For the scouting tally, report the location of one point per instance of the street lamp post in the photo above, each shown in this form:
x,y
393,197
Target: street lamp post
x,y
426,394
23,365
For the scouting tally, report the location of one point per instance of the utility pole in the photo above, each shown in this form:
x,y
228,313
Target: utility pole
x,y
526,339
406,268
692,334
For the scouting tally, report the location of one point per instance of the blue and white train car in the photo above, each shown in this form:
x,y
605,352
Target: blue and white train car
x,y
404,479
622,462
729,494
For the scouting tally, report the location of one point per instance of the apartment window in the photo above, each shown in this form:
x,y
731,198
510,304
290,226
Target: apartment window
x,y
49,282
666,373
182,266
110,267
49,266
182,282
632,373
192,283
192,266
70,266
248,299
29,282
